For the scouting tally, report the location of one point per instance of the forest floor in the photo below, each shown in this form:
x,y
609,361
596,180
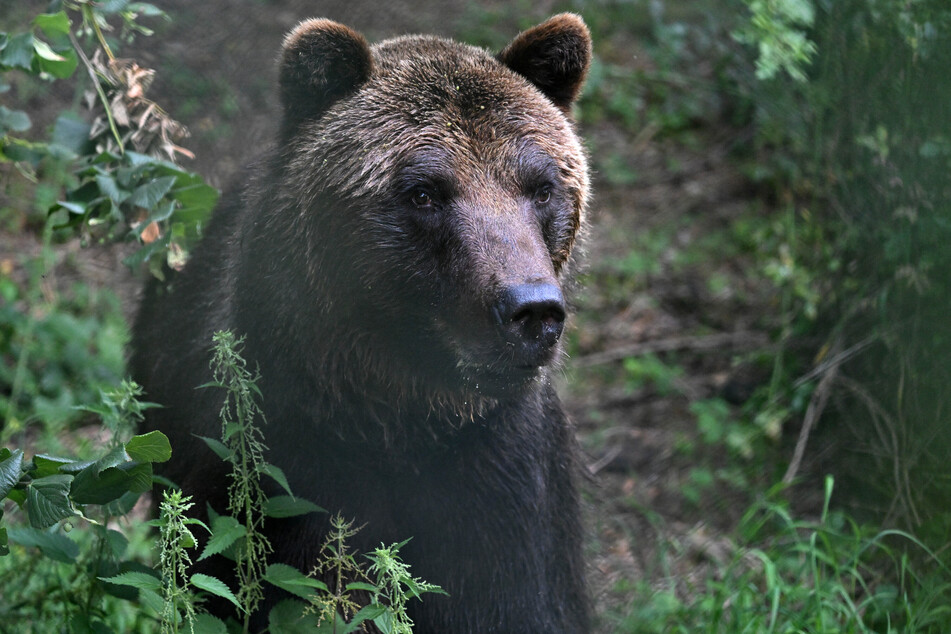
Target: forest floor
x,y
668,317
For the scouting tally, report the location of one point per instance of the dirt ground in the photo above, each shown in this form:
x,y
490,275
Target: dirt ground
x,y
217,74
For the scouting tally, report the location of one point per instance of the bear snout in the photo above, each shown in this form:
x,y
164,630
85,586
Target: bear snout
x,y
531,318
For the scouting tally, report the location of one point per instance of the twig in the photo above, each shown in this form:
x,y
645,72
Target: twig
x,y
834,359
817,405
99,90
743,339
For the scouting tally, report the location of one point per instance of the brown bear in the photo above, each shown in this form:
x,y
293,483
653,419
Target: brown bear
x,y
397,265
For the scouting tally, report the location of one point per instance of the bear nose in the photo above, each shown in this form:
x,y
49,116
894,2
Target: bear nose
x,y
531,316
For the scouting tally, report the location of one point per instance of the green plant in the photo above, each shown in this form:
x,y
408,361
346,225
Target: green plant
x,y
113,178
245,440
791,575
337,609
107,177
66,511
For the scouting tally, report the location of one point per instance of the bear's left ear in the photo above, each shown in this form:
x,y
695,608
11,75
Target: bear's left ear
x,y
323,61
554,56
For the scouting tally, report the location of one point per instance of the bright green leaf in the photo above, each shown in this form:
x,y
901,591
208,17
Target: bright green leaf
x,y
225,531
277,475
215,587
44,51
52,23
359,585
367,613
140,580
95,485
151,447
287,506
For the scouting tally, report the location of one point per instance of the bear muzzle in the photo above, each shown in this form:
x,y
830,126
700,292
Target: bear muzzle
x,y
530,318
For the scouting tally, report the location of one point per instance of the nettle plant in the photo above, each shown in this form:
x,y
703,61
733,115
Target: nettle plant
x,y
73,548
98,587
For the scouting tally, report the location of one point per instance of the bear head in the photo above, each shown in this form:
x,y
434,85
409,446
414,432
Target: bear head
x,y
432,193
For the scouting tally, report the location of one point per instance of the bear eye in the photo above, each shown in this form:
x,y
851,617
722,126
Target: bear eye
x,y
421,199
543,195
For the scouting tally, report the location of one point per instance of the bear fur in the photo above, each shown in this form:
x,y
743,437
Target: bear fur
x,y
397,266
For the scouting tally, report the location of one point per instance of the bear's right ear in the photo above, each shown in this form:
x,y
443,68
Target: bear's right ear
x,y
323,61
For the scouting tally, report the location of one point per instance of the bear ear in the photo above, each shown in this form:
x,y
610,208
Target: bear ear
x,y
323,61
554,56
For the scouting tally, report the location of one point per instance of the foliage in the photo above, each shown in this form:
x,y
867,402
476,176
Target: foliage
x,y
107,177
57,351
337,609
53,495
789,575
103,179
775,27
864,242
245,441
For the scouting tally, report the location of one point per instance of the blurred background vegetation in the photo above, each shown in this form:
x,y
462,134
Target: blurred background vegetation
x,y
763,308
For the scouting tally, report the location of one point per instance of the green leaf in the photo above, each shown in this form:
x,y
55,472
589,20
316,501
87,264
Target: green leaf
x,y
4,543
56,546
44,51
153,600
11,470
111,6
287,506
225,531
52,23
45,464
277,475
149,194
147,9
95,485
208,624
71,207
71,133
62,66
359,585
140,580
111,189
218,447
293,580
13,120
195,194
18,53
47,500
117,542
367,613
151,447
215,587
287,617
121,506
